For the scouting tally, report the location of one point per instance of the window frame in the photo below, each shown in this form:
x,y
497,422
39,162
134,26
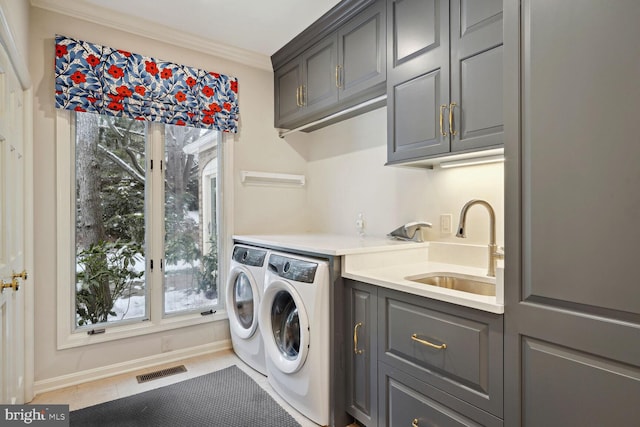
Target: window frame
x,y
68,336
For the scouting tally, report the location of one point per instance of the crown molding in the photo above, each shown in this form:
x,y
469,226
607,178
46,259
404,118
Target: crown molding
x,y
119,21
16,59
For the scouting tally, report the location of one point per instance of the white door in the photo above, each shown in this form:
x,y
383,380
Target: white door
x,y
12,235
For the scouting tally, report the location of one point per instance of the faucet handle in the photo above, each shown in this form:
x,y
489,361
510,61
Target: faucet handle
x,y
409,231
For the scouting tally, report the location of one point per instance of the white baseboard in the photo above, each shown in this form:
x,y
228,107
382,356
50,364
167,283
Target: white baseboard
x,y
129,366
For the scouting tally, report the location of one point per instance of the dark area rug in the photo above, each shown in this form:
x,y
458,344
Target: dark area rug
x,y
224,398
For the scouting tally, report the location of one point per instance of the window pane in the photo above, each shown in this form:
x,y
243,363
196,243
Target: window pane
x,y
110,222
191,270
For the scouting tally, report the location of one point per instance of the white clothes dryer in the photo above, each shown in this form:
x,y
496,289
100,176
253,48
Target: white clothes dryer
x,y
243,293
294,322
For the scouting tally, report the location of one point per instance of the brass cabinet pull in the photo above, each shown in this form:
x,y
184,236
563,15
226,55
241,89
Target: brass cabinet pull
x,y
427,343
442,131
303,95
451,128
355,339
414,423
338,77
298,96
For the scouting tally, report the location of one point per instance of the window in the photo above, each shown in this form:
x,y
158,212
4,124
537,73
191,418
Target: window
x,y
142,210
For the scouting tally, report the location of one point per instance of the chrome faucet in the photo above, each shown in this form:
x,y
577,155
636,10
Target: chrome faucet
x,y
494,254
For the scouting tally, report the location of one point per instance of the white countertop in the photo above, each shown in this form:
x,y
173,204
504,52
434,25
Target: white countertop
x,y
327,244
384,262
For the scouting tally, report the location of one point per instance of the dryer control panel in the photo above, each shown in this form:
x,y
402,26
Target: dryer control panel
x,y
249,256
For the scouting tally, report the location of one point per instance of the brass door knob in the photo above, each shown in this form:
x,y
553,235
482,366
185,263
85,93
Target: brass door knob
x,y
22,275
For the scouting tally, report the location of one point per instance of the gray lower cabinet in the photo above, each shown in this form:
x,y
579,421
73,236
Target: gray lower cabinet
x,y
347,66
430,362
406,401
572,347
444,77
361,304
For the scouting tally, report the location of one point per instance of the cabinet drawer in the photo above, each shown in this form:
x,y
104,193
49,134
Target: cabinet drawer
x,y
456,349
406,401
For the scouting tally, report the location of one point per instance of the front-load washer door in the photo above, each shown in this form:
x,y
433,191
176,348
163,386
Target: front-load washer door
x,y
242,302
285,327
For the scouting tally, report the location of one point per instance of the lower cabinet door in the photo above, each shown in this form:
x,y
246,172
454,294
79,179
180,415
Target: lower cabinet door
x,y
362,356
406,401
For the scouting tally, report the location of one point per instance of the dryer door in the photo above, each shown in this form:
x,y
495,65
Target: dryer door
x,y
242,302
285,326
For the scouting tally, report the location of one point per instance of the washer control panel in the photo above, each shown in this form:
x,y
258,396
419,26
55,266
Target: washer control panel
x,y
293,269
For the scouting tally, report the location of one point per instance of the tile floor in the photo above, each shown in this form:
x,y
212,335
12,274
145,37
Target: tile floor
x,y
123,385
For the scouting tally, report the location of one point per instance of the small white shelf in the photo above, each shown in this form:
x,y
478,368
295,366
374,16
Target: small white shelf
x,y
269,178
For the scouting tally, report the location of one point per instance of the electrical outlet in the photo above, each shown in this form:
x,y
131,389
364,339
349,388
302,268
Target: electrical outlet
x,y
445,223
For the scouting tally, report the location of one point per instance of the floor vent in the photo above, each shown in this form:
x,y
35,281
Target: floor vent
x,y
161,374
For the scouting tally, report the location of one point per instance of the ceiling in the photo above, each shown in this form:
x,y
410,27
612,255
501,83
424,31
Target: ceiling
x,y
257,26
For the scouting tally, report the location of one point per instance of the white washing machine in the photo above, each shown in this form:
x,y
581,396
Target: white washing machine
x,y
294,322
243,294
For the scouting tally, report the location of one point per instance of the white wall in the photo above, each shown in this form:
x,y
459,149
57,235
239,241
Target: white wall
x,y
256,147
346,176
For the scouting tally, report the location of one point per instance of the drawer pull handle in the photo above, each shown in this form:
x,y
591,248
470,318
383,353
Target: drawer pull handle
x,y
414,423
355,339
430,344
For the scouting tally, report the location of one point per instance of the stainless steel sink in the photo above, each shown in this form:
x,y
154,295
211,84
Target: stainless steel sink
x,y
457,283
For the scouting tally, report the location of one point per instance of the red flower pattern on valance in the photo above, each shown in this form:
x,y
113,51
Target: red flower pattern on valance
x,y
100,79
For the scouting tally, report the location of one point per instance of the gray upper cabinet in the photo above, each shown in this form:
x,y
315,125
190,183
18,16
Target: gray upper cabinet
x,y
444,77
572,289
318,82
346,67
362,53
288,84
306,84
476,75
417,77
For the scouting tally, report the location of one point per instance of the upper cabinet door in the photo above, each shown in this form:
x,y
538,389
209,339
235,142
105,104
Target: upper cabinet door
x,y
288,88
476,74
319,85
417,78
362,52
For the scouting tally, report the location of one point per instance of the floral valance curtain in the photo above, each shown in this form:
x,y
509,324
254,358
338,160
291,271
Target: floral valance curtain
x,y
103,80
